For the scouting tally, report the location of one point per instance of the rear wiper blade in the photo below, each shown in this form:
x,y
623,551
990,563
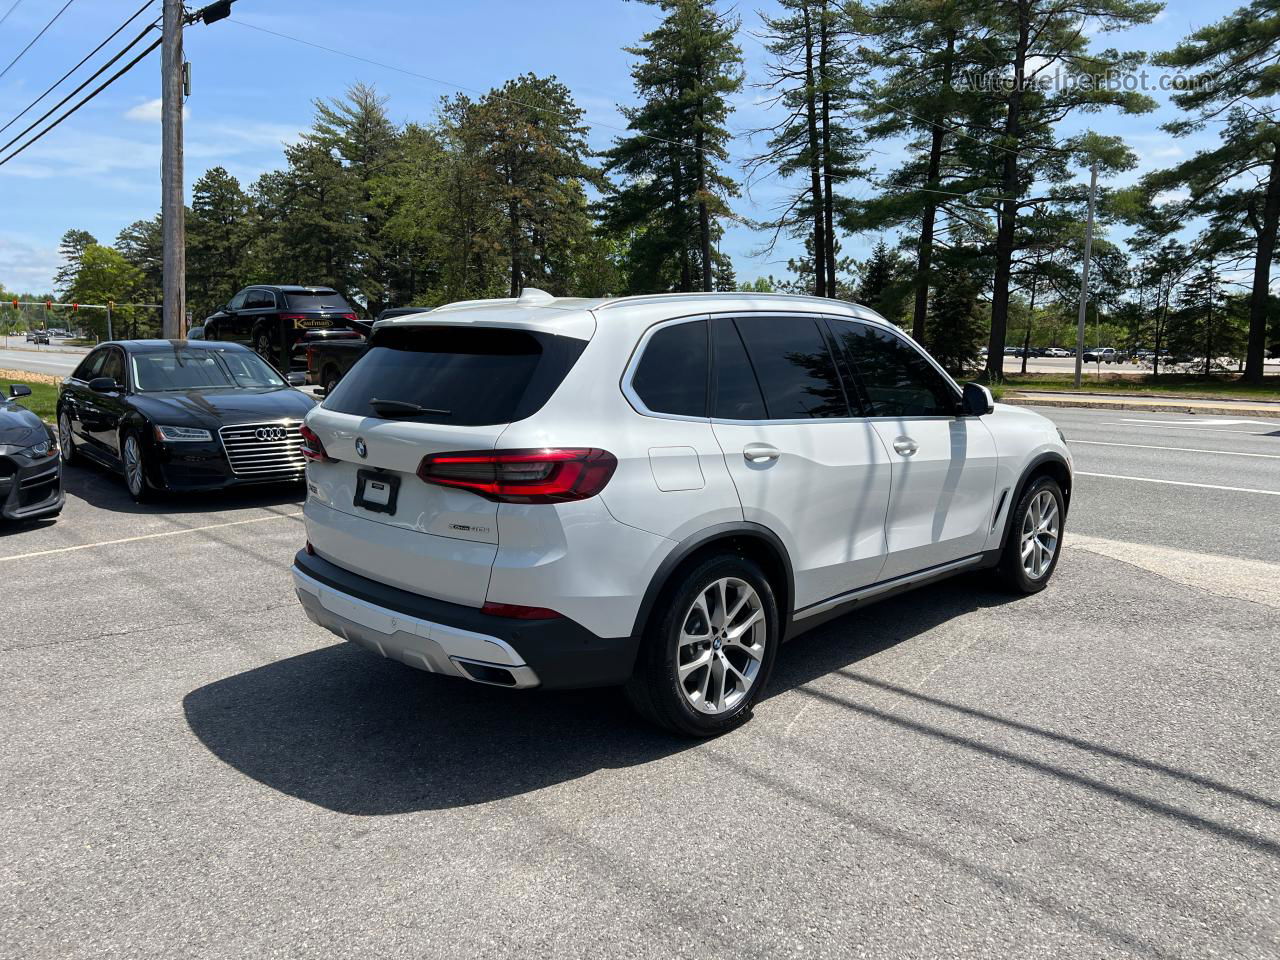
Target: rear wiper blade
x,y
403,408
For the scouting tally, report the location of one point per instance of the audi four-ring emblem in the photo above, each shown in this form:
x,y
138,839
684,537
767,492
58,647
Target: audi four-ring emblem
x,y
270,433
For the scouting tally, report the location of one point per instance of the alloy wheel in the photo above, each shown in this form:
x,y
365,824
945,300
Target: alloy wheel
x,y
1039,534
721,645
64,437
133,465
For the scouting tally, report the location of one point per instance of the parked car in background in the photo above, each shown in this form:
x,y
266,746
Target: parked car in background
x,y
1057,352
655,491
176,415
280,321
1102,355
30,471
328,361
37,336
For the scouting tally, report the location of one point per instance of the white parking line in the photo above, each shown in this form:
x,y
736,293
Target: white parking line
x,y
1172,425
1178,483
149,536
1147,446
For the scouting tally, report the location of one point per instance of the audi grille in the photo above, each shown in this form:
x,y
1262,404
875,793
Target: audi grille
x,y
264,450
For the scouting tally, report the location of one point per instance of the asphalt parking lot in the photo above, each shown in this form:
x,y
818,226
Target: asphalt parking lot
x,y
191,768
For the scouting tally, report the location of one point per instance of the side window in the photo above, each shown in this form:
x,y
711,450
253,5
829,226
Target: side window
x,y
259,300
672,374
737,393
90,366
237,302
113,366
795,370
897,379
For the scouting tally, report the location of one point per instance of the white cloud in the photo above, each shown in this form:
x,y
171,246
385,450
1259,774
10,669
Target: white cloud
x,y
148,111
25,265
1171,196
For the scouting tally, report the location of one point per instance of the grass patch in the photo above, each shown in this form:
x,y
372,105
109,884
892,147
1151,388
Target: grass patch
x,y
43,401
1168,385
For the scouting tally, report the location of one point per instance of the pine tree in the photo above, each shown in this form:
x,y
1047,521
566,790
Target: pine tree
x,y
1207,324
955,322
1039,52
810,77
1238,179
71,249
881,287
219,228
675,186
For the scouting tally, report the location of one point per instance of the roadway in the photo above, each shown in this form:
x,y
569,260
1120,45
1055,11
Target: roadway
x,y
193,768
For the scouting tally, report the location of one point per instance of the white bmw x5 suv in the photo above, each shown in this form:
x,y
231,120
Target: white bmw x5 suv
x,y
655,491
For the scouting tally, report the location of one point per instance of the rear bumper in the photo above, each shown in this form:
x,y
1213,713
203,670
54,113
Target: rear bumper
x,y
456,640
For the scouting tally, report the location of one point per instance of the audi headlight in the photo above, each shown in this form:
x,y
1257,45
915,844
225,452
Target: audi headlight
x,y
45,448
177,434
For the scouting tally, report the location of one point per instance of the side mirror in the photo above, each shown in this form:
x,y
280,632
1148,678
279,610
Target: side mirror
x,y
977,401
103,385
297,378
19,390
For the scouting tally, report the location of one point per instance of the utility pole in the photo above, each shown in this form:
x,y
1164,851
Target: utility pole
x,y
1084,272
172,207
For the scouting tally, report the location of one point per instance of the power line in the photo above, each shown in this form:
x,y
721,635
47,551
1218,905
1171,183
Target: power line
x,y
88,80
97,90
16,4
90,54
36,37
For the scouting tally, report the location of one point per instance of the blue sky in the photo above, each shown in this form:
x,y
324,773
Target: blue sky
x,y
252,92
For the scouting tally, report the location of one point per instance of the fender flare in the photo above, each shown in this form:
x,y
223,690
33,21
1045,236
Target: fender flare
x,y
707,537
1049,456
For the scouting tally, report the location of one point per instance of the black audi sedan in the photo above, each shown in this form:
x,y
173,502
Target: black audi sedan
x,y
174,415
30,474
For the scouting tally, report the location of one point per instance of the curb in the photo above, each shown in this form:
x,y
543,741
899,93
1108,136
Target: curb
x,y
1147,406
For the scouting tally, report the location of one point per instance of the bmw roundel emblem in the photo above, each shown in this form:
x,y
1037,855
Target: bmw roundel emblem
x,y
361,448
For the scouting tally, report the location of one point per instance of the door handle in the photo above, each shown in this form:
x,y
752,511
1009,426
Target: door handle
x,y
760,452
905,446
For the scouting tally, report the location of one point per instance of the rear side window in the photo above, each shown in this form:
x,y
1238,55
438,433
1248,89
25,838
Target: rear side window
x,y
259,300
672,374
327,302
476,376
794,368
737,393
897,379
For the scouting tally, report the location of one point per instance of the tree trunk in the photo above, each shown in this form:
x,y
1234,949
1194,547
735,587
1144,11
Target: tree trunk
x,y
704,216
1008,207
513,217
681,221
1031,316
828,204
924,252
1259,297
815,169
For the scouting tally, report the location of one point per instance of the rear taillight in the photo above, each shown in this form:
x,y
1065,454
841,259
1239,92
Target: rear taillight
x,y
516,611
311,359
312,448
549,475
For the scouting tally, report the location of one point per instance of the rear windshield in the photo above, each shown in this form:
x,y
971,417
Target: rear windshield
x,y
470,376
327,302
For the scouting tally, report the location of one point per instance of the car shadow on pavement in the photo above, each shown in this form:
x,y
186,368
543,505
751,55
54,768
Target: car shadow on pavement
x,y
101,488
345,730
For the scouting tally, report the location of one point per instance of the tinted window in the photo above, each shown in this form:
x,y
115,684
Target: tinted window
x,y
796,371
327,302
113,366
259,299
672,375
737,394
237,302
477,376
195,369
897,379
90,365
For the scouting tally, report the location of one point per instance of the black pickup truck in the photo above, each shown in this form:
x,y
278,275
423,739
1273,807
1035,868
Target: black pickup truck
x,y
329,360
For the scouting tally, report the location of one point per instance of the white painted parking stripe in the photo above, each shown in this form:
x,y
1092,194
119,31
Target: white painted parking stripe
x,y
1173,425
1179,483
149,536
1147,446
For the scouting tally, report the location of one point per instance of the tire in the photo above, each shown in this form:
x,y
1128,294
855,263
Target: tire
x,y
262,343
330,381
1039,507
719,695
133,458
66,442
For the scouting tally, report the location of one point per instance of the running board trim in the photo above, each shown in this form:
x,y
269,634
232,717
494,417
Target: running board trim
x,y
875,589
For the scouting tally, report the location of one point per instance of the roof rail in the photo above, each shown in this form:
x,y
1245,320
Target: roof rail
x,y
740,294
